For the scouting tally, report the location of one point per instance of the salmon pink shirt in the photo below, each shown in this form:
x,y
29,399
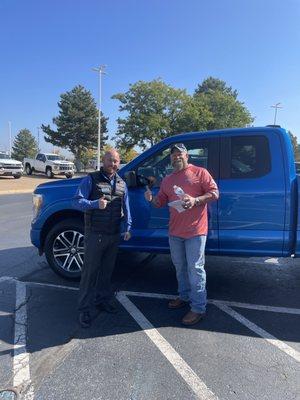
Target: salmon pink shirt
x,y
195,181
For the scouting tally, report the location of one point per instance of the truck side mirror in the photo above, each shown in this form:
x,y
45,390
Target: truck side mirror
x,y
130,179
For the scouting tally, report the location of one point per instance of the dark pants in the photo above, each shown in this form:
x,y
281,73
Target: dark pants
x,y
100,252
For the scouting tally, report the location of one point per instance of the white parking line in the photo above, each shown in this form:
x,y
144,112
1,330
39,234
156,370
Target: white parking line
x,y
258,307
261,332
194,382
51,285
21,369
224,306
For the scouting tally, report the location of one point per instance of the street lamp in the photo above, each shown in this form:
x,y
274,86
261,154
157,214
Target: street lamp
x,y
38,137
100,70
9,132
276,106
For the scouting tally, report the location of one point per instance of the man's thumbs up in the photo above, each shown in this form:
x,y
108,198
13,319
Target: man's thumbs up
x,y
148,194
102,203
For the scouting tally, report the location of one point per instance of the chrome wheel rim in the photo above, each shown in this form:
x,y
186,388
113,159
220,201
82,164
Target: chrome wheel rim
x,y
68,251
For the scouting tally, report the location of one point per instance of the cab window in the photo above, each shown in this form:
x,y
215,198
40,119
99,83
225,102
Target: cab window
x,y
157,166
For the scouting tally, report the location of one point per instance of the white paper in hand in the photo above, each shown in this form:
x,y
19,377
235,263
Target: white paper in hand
x,y
177,204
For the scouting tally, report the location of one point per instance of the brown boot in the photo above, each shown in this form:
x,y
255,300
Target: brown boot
x,y
177,303
191,318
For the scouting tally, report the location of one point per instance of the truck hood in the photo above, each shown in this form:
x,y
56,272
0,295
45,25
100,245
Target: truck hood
x,y
69,184
10,161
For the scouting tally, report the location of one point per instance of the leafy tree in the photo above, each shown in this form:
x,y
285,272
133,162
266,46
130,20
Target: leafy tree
x,y
127,155
215,85
86,156
77,123
156,110
221,100
295,145
24,145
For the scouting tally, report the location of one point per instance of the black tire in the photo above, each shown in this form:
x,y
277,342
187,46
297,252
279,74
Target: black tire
x,y
49,172
28,169
17,176
69,176
57,245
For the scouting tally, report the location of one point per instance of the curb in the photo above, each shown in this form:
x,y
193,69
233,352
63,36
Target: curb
x,y
16,191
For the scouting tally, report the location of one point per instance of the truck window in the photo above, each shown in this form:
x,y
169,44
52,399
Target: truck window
x,y
159,164
250,157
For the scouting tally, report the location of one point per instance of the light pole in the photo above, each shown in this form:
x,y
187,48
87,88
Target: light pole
x,y
100,70
38,130
276,106
9,130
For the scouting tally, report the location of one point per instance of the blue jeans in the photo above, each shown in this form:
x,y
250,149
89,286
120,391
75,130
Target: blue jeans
x,y
189,258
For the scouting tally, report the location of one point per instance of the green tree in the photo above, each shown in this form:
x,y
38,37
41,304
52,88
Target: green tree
x,y
221,100
295,145
77,123
86,156
127,155
24,145
156,110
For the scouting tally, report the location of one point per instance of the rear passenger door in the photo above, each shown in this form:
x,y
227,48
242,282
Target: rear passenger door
x,y
252,195
150,224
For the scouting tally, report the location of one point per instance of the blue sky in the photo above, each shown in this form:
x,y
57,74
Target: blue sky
x,y
48,47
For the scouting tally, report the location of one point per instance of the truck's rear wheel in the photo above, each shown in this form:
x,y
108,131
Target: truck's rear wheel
x,y
49,172
64,248
28,169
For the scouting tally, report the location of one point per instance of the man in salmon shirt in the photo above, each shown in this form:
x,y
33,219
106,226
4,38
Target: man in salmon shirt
x,y
187,229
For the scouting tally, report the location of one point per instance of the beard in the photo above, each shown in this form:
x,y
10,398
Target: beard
x,y
178,165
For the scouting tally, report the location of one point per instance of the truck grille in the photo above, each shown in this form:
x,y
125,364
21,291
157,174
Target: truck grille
x,y
65,167
12,166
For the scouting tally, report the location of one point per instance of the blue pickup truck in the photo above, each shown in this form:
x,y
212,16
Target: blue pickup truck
x,y
256,215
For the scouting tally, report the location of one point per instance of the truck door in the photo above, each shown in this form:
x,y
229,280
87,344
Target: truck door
x,y
150,224
252,195
39,163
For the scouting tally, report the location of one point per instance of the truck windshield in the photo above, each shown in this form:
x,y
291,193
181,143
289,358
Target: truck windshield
x,y
3,156
54,157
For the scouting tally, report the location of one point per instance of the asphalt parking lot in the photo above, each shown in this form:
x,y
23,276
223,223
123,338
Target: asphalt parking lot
x,y
248,347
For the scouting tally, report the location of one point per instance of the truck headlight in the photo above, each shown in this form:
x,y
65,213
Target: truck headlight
x,y
37,200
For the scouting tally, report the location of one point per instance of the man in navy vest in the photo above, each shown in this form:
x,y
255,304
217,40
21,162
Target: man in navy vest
x,y
103,197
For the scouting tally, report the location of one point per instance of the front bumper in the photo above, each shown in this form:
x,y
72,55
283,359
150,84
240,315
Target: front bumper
x,y
10,171
63,172
35,237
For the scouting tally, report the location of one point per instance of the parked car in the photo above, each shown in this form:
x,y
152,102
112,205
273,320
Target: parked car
x,y
10,167
49,164
256,214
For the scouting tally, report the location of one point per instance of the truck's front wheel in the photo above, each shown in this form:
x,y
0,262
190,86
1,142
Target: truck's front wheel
x,y
64,248
28,169
49,172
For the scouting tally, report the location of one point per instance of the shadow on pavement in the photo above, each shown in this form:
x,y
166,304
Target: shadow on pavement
x,y
52,312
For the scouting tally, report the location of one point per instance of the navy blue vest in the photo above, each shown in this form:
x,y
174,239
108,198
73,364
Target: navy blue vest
x,y
108,220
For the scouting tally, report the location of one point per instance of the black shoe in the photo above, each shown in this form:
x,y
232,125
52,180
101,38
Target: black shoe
x,y
84,319
107,307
